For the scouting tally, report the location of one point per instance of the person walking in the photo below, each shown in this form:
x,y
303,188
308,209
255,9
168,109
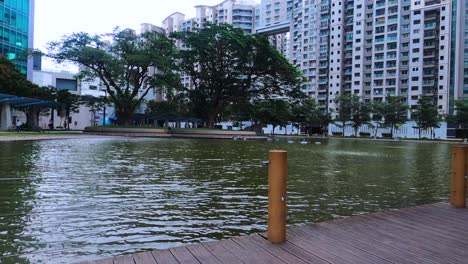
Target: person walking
x,y
18,125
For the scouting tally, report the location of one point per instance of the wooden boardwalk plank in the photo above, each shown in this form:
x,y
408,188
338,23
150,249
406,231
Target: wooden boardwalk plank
x,y
221,253
428,229
422,235
125,259
164,256
100,261
323,254
202,254
332,249
355,250
144,258
401,242
300,253
278,253
428,234
363,243
183,255
249,254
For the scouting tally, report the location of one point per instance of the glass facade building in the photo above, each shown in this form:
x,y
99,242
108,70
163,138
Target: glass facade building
x,y
16,32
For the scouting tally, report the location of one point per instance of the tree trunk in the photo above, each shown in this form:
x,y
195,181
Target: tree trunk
x,y
274,130
32,118
343,129
124,118
125,115
212,119
391,131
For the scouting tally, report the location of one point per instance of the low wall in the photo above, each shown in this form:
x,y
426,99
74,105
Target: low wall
x,y
213,132
126,130
176,133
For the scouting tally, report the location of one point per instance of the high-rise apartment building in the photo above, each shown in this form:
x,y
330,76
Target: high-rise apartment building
x,y
17,32
271,14
373,49
370,48
459,55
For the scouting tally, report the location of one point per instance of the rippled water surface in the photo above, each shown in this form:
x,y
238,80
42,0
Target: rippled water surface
x,y
82,199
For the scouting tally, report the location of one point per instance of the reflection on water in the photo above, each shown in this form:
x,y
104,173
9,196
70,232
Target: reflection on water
x,y
72,200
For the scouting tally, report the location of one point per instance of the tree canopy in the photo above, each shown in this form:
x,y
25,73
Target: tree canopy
x,y
391,113
426,114
460,116
13,82
226,65
129,65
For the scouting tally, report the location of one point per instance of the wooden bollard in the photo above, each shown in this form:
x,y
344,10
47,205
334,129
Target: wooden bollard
x,y
458,181
277,196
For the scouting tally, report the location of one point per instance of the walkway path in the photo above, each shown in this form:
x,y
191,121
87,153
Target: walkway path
x,y
435,233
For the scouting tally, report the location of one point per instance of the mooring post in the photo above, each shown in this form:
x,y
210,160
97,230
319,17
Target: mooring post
x,y
458,181
277,196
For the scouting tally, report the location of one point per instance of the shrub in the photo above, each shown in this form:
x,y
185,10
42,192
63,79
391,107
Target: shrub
x,y
386,135
364,134
338,134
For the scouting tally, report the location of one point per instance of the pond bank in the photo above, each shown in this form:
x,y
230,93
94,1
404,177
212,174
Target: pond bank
x,y
39,136
174,133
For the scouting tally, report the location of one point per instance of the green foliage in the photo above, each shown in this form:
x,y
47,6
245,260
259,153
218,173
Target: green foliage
x,y
340,134
391,113
351,109
240,111
227,66
13,82
364,134
125,65
460,116
426,114
307,114
387,135
95,104
360,114
273,112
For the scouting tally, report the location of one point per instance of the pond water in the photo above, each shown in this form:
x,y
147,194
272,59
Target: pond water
x,y
63,201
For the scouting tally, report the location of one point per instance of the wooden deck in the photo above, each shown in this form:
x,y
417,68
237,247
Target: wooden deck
x,y
433,233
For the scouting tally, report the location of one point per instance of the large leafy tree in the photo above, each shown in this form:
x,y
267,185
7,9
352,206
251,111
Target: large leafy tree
x,y
308,115
391,113
460,117
360,114
226,66
94,104
344,103
240,111
272,112
13,82
125,63
426,115
68,103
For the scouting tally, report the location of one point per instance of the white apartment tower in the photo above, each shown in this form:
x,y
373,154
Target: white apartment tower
x,y
373,49
459,56
274,12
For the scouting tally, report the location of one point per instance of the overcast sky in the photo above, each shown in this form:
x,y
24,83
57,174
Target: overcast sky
x,y
54,18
